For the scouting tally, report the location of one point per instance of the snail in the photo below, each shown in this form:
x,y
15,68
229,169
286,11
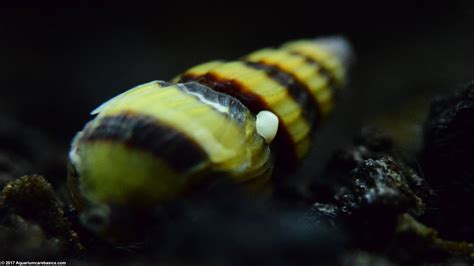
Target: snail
x,y
233,120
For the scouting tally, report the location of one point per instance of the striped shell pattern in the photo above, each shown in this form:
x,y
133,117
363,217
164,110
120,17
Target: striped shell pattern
x,y
161,139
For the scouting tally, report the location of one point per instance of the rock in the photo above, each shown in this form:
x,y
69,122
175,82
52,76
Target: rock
x,y
448,164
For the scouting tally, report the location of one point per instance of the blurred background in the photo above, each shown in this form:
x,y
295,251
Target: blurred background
x,y
59,63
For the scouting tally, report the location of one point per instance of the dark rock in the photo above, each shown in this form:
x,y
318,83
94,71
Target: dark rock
x,y
370,143
381,185
368,200
448,164
368,185
415,243
22,239
33,199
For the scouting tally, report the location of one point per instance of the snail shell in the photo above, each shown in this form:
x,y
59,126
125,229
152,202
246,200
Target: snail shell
x,y
216,120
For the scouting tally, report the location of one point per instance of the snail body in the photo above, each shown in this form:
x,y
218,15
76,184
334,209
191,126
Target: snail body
x,y
234,120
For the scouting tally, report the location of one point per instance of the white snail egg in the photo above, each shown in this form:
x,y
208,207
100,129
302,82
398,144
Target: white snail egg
x,y
267,125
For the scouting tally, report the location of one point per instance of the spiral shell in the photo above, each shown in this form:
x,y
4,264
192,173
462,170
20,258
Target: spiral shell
x,y
160,140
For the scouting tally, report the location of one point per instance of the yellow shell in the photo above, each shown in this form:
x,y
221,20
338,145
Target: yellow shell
x,y
158,140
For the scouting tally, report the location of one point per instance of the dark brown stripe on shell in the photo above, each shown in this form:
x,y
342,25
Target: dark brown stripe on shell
x,y
146,133
323,71
282,146
296,89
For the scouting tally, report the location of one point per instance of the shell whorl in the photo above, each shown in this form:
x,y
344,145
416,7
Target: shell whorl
x,y
166,136
159,139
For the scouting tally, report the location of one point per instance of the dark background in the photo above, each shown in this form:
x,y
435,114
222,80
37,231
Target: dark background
x,y
59,63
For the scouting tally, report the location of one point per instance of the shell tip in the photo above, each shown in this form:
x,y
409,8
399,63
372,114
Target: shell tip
x,y
338,45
